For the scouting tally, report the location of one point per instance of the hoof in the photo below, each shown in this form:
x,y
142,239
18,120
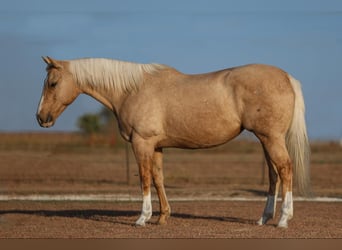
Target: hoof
x,y
163,218
282,225
260,222
139,224
263,220
162,222
284,221
141,221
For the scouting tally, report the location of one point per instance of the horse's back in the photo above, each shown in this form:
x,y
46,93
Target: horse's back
x,y
256,97
258,75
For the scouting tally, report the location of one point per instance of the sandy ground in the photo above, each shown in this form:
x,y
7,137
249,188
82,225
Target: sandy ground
x,y
211,173
189,220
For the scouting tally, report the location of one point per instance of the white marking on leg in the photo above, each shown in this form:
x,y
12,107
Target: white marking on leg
x,y
286,210
269,210
146,212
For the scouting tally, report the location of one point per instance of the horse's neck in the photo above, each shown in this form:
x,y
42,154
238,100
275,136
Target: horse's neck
x,y
111,100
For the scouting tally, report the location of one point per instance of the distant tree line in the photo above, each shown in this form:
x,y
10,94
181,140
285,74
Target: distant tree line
x,y
100,127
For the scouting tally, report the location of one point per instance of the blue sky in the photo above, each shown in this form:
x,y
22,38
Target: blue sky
x,y
302,37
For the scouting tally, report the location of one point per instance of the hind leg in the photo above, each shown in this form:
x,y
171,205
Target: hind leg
x,y
274,181
279,157
158,179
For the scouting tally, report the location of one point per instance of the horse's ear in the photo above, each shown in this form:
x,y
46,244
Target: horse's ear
x,y
52,63
46,59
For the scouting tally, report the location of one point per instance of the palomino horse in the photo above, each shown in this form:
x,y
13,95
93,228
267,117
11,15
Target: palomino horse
x,y
157,106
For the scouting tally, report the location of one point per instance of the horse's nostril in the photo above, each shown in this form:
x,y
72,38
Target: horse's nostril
x,y
49,118
40,121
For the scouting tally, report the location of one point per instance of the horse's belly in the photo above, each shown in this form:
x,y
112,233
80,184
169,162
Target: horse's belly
x,y
200,133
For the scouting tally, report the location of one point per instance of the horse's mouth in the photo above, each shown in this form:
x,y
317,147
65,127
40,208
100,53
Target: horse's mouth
x,y
46,125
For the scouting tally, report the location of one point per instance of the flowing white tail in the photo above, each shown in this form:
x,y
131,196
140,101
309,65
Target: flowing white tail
x,y
297,142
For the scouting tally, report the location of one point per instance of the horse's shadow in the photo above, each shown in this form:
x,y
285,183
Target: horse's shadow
x,y
215,218
124,217
114,216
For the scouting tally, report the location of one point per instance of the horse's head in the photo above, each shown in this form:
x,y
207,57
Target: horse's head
x,y
59,91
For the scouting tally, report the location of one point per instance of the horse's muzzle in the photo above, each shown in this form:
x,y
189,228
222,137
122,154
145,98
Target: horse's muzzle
x,y
45,123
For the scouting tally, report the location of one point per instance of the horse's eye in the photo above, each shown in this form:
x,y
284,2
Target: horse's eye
x,y
53,84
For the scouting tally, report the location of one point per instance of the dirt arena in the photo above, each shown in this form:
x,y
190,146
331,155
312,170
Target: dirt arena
x,y
50,165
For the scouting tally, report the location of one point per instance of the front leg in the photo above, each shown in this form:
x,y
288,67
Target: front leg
x,y
143,151
146,211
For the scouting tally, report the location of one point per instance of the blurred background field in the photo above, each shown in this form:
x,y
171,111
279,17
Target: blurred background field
x,y
97,163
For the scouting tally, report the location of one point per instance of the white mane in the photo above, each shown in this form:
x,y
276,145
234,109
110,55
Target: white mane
x,y
110,74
